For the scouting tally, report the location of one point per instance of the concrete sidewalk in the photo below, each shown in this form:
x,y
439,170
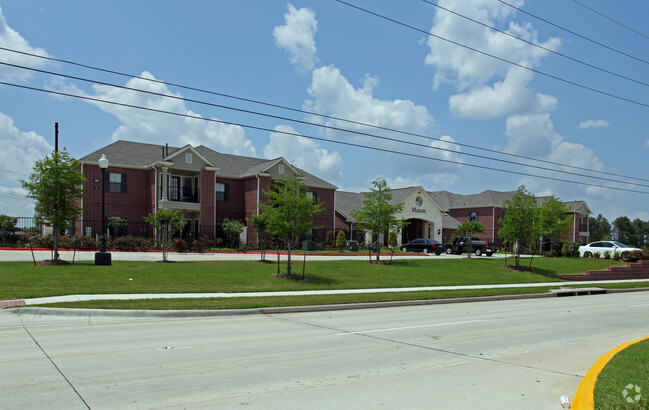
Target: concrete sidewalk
x,y
17,255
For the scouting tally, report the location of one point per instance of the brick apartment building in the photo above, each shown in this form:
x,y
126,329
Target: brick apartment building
x,y
436,215
209,186
206,185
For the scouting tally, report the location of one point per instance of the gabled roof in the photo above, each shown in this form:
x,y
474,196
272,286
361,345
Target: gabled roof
x,y
142,155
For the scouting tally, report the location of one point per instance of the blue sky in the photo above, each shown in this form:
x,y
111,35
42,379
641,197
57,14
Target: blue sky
x,y
329,58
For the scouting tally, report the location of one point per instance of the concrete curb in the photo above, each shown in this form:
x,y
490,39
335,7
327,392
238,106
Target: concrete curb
x,y
585,398
42,311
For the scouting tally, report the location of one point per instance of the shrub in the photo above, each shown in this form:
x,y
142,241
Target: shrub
x,y
180,245
597,255
341,240
129,243
575,248
329,241
607,254
565,250
616,256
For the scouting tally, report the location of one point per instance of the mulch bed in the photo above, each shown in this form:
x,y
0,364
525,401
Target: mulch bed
x,y
287,276
519,268
52,263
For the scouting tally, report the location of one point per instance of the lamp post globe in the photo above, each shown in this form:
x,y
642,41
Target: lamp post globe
x,y
102,257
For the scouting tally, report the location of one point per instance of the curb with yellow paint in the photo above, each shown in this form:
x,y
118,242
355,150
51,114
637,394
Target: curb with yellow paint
x,y
584,398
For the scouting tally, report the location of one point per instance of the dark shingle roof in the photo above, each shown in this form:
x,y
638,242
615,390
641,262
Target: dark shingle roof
x,y
142,155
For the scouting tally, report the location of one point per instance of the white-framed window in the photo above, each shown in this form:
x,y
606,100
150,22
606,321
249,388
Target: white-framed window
x,y
188,158
281,168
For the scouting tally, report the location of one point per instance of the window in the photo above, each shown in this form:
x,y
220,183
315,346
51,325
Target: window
x,y
115,183
188,157
281,168
473,216
313,196
174,189
222,191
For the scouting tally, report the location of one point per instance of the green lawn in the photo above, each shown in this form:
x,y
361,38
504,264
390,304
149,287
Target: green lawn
x,y
627,371
24,280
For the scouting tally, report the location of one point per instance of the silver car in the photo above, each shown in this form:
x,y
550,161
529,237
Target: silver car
x,y
606,246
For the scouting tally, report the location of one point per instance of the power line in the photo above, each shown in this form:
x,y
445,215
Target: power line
x,y
554,77
295,134
611,19
538,45
575,33
318,125
329,117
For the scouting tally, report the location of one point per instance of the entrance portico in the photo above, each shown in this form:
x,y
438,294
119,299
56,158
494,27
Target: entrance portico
x,y
424,217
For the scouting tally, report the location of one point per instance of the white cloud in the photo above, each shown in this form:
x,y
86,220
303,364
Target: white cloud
x,y
147,126
333,95
472,72
297,37
593,124
504,98
20,149
9,38
532,135
304,153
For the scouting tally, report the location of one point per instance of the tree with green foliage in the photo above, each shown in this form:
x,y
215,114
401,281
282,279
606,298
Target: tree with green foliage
x,y
56,186
289,210
166,222
553,219
623,230
378,215
599,229
517,225
7,227
116,223
8,223
641,233
392,243
341,240
469,229
232,230
260,224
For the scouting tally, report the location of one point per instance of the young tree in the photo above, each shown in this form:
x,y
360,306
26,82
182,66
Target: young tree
x,y
56,186
289,210
553,219
166,222
470,228
378,215
116,223
517,226
341,240
232,229
260,223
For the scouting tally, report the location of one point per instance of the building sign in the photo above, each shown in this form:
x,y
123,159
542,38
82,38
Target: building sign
x,y
418,202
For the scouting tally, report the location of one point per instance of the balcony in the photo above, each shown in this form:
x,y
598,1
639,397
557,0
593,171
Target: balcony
x,y
183,198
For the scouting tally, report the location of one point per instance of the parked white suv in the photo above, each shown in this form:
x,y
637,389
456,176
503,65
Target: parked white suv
x,y
604,246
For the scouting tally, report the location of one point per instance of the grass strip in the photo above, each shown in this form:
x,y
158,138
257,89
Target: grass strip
x,y
623,383
282,301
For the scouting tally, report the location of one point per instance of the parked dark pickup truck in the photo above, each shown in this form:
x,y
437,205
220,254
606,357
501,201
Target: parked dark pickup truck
x,y
461,245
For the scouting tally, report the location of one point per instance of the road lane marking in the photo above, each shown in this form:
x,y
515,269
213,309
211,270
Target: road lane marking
x,y
411,327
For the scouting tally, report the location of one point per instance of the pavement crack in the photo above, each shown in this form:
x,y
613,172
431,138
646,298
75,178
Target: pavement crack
x,y
53,364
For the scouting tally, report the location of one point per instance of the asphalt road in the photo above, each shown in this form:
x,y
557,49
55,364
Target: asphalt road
x,y
499,354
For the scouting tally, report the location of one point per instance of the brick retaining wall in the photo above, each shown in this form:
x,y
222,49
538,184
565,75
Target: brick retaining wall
x,y
636,270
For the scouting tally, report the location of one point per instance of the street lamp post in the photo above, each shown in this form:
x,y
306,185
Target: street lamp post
x,y
102,257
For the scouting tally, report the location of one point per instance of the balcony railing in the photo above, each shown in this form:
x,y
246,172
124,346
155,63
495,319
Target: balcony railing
x,y
184,194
